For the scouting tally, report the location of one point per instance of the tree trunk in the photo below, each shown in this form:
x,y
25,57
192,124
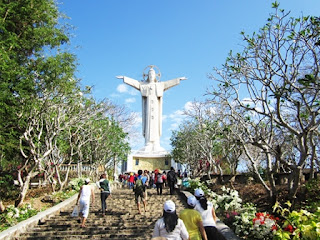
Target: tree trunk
x,y
23,191
115,168
2,208
273,193
295,182
64,182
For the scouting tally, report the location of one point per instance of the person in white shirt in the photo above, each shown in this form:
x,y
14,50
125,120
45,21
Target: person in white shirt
x,y
86,191
170,226
208,214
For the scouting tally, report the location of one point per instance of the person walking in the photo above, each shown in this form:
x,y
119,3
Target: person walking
x,y
86,191
208,215
169,226
146,180
172,180
131,180
159,179
139,189
105,191
193,221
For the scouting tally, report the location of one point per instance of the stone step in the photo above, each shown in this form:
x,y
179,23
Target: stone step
x,y
122,220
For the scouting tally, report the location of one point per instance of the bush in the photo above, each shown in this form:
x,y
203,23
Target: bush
x,y
13,215
75,184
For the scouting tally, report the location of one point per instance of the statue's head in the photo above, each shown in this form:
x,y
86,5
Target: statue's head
x,y
152,76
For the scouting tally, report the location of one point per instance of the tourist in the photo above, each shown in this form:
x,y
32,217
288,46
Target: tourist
x,y
164,175
179,173
193,221
152,178
169,226
172,180
86,191
139,190
159,179
131,180
147,182
105,190
208,214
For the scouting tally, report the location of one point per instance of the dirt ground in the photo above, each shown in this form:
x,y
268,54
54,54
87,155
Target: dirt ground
x,y
34,197
255,193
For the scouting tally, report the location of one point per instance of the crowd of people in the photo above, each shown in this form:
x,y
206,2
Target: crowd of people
x,y
156,179
196,222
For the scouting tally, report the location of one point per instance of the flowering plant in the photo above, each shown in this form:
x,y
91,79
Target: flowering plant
x,y
229,201
13,215
297,224
255,225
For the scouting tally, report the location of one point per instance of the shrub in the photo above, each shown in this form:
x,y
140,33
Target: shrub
x,y
13,215
297,224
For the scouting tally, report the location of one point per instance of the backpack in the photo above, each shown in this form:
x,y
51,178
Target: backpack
x,y
159,178
172,176
139,187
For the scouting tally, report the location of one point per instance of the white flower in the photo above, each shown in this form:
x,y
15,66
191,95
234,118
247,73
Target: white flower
x,y
10,214
16,210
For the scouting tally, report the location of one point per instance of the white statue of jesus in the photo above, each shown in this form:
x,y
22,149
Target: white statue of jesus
x,y
152,93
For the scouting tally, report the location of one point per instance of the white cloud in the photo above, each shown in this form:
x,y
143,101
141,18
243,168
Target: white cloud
x,y
188,106
130,100
123,88
176,119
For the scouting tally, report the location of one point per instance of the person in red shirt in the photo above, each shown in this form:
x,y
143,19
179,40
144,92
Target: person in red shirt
x,y
159,179
131,181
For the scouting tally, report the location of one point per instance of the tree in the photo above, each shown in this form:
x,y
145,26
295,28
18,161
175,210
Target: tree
x,y
278,70
185,149
28,32
33,64
207,133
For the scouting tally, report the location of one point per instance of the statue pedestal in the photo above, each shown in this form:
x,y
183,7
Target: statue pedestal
x,y
148,161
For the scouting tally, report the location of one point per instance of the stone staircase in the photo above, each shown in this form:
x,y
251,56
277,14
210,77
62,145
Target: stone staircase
x,y
121,221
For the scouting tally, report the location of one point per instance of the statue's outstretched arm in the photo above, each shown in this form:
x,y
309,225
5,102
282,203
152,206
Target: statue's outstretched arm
x,y
171,83
132,82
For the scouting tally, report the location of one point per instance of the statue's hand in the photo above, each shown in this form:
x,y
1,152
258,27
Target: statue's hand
x,y
120,77
183,78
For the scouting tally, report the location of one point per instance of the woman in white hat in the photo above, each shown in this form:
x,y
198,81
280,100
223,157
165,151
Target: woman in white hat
x,y
84,195
208,214
170,226
193,221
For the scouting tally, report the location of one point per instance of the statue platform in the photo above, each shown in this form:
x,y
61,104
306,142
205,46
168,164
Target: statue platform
x,y
148,160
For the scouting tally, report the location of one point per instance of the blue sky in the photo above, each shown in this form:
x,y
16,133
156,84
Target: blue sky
x,y
181,37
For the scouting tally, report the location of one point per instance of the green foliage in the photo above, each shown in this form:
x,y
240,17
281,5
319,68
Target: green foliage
x,y
298,224
63,195
14,215
29,33
247,223
75,184
196,183
8,190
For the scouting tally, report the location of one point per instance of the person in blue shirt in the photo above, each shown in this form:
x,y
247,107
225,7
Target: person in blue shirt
x,y
139,189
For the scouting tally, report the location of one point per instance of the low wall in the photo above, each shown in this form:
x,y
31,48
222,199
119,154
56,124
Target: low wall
x,y
13,232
